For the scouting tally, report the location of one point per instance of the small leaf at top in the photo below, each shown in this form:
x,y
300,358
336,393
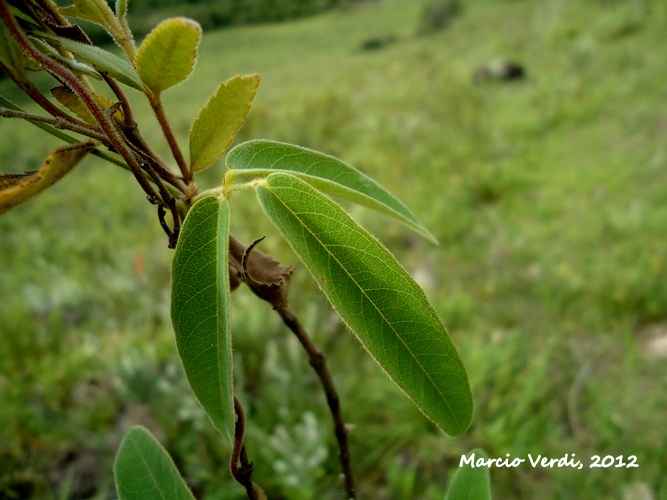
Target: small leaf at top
x,y
220,119
17,188
90,10
167,56
259,158
143,469
375,296
470,482
200,309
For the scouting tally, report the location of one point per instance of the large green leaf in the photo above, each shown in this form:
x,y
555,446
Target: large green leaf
x,y
220,119
143,469
470,482
200,308
100,59
167,56
375,296
259,158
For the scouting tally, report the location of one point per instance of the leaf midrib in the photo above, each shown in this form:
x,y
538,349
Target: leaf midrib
x,y
414,357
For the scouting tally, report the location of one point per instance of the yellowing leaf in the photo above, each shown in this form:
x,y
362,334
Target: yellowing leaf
x,y
17,188
72,102
167,56
220,119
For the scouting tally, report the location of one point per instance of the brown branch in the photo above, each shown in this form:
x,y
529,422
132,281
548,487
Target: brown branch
x,y
318,362
243,473
158,108
64,75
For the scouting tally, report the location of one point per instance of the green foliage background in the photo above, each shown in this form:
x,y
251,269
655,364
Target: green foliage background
x,y
548,197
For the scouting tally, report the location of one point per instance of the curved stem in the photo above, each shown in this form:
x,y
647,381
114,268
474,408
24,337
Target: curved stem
x,y
243,473
318,362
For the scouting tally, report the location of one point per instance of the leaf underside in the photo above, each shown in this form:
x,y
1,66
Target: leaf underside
x,y
167,56
220,119
200,309
375,296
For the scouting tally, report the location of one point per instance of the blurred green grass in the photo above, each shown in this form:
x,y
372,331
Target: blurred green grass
x,y
549,198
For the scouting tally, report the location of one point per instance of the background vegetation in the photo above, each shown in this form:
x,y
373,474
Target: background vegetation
x,y
548,196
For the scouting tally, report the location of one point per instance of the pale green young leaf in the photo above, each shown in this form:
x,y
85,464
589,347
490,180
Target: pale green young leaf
x,y
96,11
168,54
259,158
200,308
375,296
101,60
220,119
121,9
470,482
143,469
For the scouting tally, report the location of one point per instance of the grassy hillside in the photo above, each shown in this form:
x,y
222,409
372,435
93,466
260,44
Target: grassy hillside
x,y
548,196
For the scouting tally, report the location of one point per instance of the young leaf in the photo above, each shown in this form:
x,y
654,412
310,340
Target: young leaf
x,y
375,296
259,158
143,469
17,188
167,56
90,10
200,308
100,59
220,119
469,482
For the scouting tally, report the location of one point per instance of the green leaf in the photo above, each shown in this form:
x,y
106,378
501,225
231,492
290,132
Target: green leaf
x,y
18,188
98,12
375,296
470,482
101,60
261,157
121,9
200,308
167,56
220,119
10,54
143,469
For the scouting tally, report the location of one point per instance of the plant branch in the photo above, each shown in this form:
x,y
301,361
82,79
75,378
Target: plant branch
x,y
318,362
56,122
81,91
158,109
243,473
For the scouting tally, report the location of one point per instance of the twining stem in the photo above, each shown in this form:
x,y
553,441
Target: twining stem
x,y
318,362
243,473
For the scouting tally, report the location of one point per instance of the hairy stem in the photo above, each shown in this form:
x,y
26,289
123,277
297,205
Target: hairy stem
x,y
158,109
56,122
318,362
82,92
